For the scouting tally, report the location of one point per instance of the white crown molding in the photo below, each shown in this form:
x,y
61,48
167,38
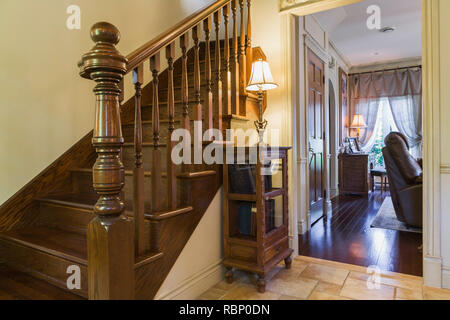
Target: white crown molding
x,y
305,7
340,54
316,48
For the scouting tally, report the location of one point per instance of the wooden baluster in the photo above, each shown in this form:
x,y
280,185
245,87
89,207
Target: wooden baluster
x,y
235,62
226,79
121,99
110,234
209,95
242,63
171,168
184,44
198,133
218,82
138,172
249,50
155,67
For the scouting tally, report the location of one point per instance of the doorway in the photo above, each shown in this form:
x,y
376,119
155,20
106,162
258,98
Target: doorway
x,y
348,219
316,136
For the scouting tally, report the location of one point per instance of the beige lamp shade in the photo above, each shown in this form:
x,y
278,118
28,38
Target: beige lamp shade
x,y
358,122
261,78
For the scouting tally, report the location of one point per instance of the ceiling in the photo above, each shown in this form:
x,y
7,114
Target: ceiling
x,y
347,28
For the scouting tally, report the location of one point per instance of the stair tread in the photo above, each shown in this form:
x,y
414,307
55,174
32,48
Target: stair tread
x,y
127,172
66,244
80,200
88,200
16,285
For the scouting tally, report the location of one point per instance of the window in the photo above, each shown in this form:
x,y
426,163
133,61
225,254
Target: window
x,y
385,124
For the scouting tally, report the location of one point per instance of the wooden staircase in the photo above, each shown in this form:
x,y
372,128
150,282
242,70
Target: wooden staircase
x,y
126,242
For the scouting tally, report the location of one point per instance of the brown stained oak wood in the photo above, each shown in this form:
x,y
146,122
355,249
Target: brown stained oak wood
x,y
16,285
138,172
157,44
249,51
226,73
207,24
110,234
218,76
235,109
171,167
242,61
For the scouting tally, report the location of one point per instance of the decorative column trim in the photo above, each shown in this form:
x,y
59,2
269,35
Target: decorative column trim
x,y
432,152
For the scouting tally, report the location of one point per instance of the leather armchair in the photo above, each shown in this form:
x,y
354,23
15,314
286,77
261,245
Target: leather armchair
x,y
405,179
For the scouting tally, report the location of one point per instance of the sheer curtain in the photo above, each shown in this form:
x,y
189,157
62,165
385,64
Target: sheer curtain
x,y
407,109
403,89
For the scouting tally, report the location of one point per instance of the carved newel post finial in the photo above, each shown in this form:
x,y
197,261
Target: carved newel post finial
x,y
110,234
106,66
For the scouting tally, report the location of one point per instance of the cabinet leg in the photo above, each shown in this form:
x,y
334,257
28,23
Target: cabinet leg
x,y
288,262
261,283
229,275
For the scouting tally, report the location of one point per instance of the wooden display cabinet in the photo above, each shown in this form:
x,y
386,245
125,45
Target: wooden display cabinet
x,y
256,211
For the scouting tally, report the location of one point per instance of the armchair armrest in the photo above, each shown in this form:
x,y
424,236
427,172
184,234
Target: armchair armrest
x,y
410,200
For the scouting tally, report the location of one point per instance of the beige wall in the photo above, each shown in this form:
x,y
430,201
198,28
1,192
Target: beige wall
x,y
199,265
45,107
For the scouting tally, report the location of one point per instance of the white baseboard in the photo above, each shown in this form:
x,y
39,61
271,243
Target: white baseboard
x,y
293,244
194,286
302,227
446,278
432,272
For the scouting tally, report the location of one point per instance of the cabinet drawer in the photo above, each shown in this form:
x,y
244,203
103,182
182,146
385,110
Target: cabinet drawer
x,y
276,249
244,253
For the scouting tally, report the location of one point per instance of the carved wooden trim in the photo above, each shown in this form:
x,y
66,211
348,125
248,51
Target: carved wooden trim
x,y
110,234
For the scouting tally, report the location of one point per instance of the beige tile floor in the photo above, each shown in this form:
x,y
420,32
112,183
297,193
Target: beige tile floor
x,y
315,279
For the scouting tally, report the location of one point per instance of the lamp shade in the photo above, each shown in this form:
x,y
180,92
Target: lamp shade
x,y
261,78
358,121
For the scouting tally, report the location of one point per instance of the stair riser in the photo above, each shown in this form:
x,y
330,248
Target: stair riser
x,y
42,265
82,183
129,157
65,218
178,95
147,131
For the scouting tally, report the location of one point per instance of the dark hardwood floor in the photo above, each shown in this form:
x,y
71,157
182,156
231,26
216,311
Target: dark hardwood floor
x,y
345,236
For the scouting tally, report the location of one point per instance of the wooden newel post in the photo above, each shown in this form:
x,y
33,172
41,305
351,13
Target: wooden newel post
x,y
110,234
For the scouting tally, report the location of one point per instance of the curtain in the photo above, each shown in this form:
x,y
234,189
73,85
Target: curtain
x,y
407,110
403,88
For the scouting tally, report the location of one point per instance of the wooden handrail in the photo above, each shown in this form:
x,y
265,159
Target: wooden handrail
x,y
150,48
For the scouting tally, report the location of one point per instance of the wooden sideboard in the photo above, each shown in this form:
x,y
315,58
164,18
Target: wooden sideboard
x,y
354,176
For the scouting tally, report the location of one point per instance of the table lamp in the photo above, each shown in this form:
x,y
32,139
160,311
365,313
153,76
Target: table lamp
x,y
261,80
358,123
